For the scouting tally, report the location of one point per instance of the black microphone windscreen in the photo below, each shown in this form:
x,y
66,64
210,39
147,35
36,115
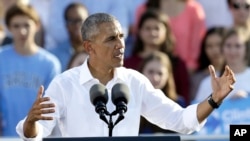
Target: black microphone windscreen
x,y
98,92
120,92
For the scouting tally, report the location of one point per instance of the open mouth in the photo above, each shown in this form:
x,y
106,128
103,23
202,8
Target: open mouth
x,y
120,55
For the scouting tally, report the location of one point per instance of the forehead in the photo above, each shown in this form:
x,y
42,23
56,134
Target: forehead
x,y
21,19
110,28
77,11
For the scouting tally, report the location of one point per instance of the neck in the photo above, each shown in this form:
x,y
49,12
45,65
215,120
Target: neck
x,y
103,74
147,51
77,45
238,68
245,24
25,48
217,64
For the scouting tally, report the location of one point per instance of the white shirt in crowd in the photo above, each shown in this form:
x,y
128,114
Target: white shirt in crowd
x,y
75,115
241,84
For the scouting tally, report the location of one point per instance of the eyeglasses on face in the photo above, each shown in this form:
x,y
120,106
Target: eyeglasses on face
x,y
238,6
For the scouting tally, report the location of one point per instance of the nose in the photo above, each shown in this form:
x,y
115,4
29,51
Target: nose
x,y
120,43
23,31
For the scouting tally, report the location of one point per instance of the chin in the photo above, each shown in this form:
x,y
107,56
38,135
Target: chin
x,y
119,64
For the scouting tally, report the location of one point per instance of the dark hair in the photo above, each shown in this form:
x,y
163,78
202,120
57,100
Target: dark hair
x,y
71,6
229,2
153,4
21,9
167,46
203,60
73,57
169,89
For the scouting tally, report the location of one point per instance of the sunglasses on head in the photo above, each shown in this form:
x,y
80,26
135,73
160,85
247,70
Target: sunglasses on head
x,y
238,6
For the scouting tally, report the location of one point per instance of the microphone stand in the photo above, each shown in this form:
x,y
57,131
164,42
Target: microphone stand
x,y
110,123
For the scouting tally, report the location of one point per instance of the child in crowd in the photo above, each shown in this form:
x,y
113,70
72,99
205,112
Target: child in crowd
x,y
24,66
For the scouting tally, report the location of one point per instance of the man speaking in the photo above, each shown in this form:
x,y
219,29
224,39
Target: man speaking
x,y
66,103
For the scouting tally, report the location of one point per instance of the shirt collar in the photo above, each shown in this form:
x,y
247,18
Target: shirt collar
x,y
86,76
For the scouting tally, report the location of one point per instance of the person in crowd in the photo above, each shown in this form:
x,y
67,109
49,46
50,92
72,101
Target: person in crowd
x,y
235,51
74,16
210,54
157,68
154,33
187,21
240,10
39,37
67,100
24,66
56,31
77,59
217,13
235,108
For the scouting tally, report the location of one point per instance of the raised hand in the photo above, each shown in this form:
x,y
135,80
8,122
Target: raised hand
x,y
40,107
223,85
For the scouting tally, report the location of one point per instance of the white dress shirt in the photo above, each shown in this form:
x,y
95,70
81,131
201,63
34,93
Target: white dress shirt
x,y
75,115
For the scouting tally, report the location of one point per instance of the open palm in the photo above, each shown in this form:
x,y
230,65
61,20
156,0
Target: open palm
x,y
223,85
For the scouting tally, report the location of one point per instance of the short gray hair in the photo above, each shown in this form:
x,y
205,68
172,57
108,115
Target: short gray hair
x,y
90,25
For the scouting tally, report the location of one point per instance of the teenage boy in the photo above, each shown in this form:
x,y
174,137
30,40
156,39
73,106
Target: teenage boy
x,y
24,66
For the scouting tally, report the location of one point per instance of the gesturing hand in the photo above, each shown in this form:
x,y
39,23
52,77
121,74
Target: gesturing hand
x,y
40,108
223,85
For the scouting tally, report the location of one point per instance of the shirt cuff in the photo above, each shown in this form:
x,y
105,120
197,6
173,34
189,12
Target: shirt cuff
x,y
191,120
19,130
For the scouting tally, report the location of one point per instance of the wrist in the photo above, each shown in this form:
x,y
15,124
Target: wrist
x,y
213,102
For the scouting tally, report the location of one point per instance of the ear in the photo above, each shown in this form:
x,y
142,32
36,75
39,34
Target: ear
x,y
88,47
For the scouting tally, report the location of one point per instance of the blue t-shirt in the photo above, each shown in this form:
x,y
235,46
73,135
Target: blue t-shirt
x,y
20,79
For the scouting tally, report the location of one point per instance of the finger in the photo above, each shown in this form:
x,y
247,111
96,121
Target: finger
x,y
231,87
40,92
212,71
226,71
47,105
44,117
45,111
43,99
232,75
48,111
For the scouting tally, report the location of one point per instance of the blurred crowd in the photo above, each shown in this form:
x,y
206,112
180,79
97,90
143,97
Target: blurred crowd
x,y
172,42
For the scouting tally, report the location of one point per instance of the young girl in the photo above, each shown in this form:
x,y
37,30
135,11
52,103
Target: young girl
x,y
210,54
157,68
235,51
154,34
187,21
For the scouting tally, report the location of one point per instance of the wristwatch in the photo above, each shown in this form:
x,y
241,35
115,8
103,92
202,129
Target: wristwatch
x,y
212,103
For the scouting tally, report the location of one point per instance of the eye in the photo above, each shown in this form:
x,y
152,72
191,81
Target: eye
x,y
111,38
121,35
26,25
16,26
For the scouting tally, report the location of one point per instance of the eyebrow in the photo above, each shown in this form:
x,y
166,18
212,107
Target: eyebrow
x,y
114,36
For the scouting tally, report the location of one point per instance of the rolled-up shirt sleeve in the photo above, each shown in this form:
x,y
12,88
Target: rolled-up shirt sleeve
x,y
191,120
167,114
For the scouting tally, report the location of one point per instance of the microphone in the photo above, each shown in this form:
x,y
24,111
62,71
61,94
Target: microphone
x,y
99,98
120,98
